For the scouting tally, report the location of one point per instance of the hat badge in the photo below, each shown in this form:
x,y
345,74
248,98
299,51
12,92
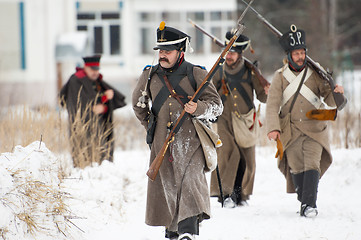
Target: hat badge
x,y
161,28
293,28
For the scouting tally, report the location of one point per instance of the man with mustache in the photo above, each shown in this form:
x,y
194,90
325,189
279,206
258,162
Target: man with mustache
x,y
236,84
296,89
178,198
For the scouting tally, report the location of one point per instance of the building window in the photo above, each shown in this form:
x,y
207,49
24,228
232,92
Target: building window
x,y
104,31
214,22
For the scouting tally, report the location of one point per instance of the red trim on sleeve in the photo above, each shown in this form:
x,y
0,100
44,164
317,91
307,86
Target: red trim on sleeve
x,y
104,99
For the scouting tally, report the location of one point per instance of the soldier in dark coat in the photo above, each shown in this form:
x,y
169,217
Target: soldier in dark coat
x,y
178,198
236,84
90,102
295,91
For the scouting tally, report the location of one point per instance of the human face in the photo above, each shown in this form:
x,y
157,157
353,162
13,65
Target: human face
x,y
167,59
232,58
91,73
298,56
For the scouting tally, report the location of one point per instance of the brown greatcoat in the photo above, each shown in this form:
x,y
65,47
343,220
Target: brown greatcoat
x,y
180,189
230,154
300,124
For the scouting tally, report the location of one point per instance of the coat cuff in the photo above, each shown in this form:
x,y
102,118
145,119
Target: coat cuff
x,y
201,108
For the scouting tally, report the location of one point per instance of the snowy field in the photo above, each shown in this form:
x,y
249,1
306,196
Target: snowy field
x,y
108,201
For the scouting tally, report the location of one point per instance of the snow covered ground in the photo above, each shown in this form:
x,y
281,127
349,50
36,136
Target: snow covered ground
x,y
108,201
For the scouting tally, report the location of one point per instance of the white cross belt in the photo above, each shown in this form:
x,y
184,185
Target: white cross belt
x,y
305,91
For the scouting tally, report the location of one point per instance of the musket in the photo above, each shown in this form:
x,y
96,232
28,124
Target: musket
x,y
249,64
157,162
339,98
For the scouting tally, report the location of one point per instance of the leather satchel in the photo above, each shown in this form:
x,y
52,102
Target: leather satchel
x,y
245,128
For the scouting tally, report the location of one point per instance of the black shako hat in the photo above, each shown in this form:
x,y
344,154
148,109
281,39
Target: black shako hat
x,y
241,43
293,39
169,39
92,61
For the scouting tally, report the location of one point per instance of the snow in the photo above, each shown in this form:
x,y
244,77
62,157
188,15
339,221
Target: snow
x,y
108,201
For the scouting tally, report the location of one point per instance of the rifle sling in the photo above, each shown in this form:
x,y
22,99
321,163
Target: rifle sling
x,y
174,81
171,90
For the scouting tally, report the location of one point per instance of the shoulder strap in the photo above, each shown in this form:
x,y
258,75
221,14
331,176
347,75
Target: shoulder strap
x,y
191,76
237,85
173,86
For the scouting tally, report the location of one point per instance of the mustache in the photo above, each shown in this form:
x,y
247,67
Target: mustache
x,y
163,59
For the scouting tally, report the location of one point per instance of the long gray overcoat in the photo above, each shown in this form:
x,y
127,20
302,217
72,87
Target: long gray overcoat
x,y
300,124
229,154
180,189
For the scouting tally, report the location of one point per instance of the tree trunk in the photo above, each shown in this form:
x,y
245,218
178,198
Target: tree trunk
x,y
333,29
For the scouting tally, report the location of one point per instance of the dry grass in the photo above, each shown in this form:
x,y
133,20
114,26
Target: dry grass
x,y
39,205
23,125
88,139
345,132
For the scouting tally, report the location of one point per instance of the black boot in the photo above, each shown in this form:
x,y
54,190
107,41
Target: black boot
x,y
309,193
237,195
298,182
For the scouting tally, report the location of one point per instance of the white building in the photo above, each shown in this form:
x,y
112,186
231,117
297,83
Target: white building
x,y
42,41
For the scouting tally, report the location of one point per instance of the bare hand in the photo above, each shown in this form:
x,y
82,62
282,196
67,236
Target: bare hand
x,y
266,88
98,109
190,107
109,93
338,89
273,135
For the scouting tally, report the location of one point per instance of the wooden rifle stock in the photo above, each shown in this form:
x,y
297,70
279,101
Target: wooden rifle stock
x,y
256,71
157,162
339,98
249,64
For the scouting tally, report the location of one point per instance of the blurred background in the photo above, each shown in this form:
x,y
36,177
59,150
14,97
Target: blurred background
x,y
42,41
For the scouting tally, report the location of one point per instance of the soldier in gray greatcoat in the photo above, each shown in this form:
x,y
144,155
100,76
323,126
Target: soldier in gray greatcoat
x,y
237,85
178,198
295,90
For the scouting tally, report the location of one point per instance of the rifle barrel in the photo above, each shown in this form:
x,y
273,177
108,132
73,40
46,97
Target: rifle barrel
x,y
268,24
214,39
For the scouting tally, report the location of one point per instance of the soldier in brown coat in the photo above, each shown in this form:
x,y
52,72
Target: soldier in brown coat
x,y
90,102
178,198
236,84
295,90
